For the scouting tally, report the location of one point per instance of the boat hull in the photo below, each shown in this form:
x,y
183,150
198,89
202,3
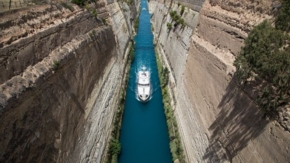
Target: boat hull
x,y
143,86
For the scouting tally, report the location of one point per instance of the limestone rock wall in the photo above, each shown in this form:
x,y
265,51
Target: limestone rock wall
x,y
27,39
193,4
174,42
48,115
61,72
218,121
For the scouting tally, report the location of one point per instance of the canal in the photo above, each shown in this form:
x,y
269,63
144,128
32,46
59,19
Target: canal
x,y
144,135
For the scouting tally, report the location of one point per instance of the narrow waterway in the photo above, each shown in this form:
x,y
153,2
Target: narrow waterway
x,y
144,135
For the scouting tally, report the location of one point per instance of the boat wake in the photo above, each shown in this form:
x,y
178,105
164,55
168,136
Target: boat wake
x,y
133,86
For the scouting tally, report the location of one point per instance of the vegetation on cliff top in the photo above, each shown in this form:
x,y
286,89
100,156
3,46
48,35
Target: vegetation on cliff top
x,y
174,137
266,57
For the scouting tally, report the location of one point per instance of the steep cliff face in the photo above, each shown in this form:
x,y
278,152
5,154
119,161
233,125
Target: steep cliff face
x,y
218,121
61,73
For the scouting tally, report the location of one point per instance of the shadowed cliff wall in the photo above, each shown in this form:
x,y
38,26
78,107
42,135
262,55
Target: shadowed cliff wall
x,y
61,72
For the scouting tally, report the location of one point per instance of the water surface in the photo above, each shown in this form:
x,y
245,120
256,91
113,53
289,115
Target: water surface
x,y
144,136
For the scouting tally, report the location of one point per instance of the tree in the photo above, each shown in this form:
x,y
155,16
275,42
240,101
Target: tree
x,y
266,55
282,21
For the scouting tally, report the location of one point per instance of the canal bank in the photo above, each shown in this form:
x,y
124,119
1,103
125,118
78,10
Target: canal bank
x,y
114,146
176,147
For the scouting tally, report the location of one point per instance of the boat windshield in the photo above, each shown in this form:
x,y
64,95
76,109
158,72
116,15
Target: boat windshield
x,y
143,84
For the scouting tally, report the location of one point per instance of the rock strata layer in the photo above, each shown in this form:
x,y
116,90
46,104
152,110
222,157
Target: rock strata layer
x,y
61,74
62,70
218,121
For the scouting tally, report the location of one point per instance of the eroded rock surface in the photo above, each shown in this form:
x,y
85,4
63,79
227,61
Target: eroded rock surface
x,y
61,74
218,121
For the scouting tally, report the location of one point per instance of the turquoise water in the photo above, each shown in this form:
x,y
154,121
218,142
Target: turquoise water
x,y
144,136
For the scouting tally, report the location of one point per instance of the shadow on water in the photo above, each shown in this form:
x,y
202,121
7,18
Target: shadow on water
x,y
238,122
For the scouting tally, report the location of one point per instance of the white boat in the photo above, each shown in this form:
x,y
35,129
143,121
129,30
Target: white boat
x,y
143,84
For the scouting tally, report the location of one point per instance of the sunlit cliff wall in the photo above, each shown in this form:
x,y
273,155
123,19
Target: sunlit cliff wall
x,y
61,72
218,121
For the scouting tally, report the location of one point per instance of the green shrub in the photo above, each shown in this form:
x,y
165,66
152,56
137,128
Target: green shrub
x,y
65,5
172,13
79,2
182,10
282,21
95,13
176,18
114,159
132,54
266,56
104,21
56,65
115,147
165,77
173,150
87,7
169,26
182,23
136,24
175,145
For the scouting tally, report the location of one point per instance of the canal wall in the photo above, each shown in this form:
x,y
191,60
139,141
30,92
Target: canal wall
x,y
61,73
61,70
218,121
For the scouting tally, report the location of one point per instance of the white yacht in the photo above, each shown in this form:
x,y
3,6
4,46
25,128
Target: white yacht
x,y
143,84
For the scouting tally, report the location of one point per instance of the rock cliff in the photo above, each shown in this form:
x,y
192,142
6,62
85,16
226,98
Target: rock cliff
x,y
61,73
218,121
62,68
